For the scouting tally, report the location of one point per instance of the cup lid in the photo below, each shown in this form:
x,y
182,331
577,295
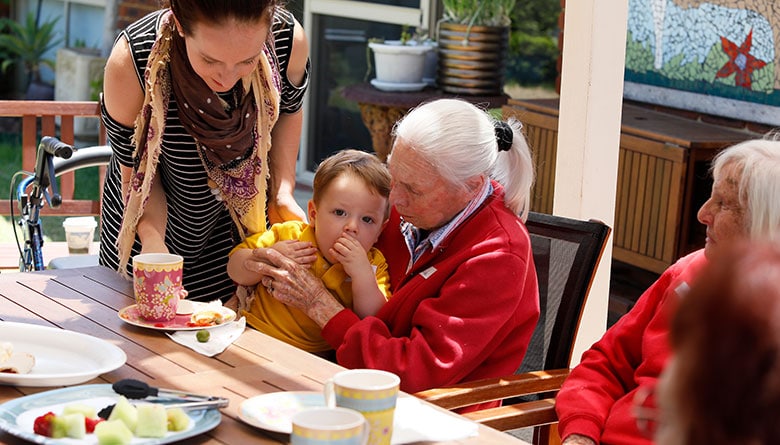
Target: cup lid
x,y
80,221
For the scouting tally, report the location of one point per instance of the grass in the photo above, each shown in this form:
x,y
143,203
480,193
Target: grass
x,y
87,187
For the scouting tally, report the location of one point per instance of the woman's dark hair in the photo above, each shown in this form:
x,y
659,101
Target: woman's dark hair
x,y
191,12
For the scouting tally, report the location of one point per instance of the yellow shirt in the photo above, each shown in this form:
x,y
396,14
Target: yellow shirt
x,y
269,315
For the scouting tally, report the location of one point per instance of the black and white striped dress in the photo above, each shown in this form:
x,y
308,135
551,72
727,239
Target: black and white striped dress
x,y
199,227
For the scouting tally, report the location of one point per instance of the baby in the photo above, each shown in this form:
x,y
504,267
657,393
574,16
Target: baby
x,y
348,209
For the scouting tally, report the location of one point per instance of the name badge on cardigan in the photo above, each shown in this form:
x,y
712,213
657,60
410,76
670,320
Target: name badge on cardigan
x,y
428,272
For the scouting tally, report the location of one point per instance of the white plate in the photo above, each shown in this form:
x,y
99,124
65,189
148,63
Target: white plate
x,y
18,415
413,421
273,411
181,322
393,86
62,357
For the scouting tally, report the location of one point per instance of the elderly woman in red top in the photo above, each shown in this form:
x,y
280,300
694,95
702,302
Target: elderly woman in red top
x,y
595,404
465,296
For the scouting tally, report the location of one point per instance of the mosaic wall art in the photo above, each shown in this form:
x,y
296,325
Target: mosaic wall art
x,y
718,56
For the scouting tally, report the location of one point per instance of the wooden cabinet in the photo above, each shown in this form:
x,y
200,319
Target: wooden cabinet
x,y
663,177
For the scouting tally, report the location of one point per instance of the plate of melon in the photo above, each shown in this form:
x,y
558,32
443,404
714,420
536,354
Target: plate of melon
x,y
70,416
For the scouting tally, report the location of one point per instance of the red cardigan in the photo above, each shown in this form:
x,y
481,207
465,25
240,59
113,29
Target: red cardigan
x,y
463,312
596,399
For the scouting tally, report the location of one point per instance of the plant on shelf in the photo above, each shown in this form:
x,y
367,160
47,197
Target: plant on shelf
x,y
400,64
473,38
478,12
27,44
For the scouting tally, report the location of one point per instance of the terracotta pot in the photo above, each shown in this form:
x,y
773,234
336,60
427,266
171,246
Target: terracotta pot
x,y
472,59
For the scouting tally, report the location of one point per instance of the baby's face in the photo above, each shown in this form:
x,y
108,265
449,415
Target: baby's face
x,y
347,207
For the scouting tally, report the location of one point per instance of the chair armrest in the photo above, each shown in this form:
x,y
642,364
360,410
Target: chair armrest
x,y
519,415
486,390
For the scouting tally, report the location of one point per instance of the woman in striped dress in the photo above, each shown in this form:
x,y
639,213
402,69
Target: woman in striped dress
x,y
202,104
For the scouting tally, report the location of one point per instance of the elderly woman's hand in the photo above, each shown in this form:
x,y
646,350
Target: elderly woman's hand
x,y
294,285
303,252
576,439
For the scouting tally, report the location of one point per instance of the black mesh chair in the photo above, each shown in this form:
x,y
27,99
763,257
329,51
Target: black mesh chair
x,y
566,254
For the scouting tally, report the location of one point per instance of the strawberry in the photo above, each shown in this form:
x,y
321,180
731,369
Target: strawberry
x,y
42,424
90,423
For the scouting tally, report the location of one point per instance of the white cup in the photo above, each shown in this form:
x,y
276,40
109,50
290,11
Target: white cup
x,y
327,426
371,392
79,232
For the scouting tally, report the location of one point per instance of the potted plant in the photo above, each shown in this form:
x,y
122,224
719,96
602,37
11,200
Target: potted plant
x,y
400,64
27,44
473,38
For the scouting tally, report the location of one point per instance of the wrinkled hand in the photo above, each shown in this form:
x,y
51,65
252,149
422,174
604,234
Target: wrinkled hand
x,y
284,208
576,439
302,252
294,285
348,251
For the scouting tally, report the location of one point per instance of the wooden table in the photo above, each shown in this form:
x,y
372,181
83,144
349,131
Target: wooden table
x,y
87,300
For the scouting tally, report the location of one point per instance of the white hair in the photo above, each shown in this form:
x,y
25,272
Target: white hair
x,y
459,140
758,161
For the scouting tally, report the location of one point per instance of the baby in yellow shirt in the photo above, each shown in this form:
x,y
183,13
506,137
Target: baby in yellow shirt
x,y
348,209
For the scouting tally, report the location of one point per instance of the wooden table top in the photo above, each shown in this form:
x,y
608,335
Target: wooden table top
x,y
87,300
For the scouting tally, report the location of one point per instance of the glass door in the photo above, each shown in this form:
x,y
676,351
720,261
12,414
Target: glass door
x,y
338,32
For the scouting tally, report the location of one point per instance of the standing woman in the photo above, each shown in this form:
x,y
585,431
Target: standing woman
x,y
202,105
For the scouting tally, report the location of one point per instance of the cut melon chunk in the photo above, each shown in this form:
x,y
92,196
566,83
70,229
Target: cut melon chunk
x,y
152,420
88,411
178,420
113,432
126,412
75,427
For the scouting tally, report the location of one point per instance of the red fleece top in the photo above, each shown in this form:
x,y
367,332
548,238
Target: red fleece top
x,y
596,400
463,312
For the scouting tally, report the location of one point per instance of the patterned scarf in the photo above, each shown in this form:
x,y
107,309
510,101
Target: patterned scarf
x,y
233,145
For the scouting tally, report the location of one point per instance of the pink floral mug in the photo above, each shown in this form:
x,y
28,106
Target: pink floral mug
x,y
157,285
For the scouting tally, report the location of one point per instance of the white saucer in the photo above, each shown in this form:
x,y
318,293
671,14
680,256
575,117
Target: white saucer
x,y
393,86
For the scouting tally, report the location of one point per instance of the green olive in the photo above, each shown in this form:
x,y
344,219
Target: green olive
x,y
203,335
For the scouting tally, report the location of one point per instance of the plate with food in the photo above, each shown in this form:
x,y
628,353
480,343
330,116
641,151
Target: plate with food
x,y
34,355
200,315
72,416
274,411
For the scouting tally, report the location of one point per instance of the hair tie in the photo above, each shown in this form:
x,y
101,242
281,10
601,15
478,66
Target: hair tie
x,y
504,135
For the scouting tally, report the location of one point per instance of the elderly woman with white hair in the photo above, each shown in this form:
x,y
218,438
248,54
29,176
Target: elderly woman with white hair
x,y
596,402
465,296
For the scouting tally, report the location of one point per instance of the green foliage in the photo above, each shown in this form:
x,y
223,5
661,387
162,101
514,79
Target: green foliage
x,y
533,43
478,12
533,59
95,88
27,44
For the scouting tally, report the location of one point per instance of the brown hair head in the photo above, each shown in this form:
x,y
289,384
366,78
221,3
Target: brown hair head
x,y
726,336
365,166
191,12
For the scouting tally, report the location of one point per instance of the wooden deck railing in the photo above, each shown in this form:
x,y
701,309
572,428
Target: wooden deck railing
x,y
53,118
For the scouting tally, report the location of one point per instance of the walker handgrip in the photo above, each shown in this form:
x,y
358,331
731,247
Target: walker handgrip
x,y
55,147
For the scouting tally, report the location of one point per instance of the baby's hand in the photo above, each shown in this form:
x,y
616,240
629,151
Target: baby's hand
x,y
302,252
348,251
